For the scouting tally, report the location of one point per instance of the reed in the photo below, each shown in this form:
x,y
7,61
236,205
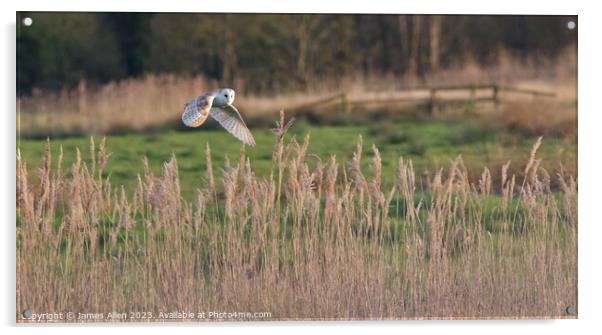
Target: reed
x,y
316,240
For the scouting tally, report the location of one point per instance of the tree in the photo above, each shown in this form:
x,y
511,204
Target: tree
x,y
269,52
434,41
131,31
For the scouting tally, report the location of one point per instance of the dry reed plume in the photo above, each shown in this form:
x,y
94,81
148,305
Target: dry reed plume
x,y
132,104
156,100
316,240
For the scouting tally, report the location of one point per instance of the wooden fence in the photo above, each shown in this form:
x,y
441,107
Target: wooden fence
x,y
433,99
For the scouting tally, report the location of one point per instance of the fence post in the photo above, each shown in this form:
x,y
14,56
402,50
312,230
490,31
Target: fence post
x,y
496,95
433,101
344,103
472,93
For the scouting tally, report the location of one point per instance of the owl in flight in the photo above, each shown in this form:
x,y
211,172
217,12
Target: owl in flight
x,y
218,104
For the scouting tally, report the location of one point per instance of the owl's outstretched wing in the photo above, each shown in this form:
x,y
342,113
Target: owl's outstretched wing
x,y
197,110
229,118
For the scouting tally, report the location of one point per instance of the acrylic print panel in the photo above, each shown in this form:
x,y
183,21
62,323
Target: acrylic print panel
x,y
261,167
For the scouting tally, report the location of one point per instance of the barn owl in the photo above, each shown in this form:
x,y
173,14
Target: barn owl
x,y
218,104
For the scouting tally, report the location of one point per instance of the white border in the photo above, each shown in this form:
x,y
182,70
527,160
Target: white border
x,y
590,167
316,6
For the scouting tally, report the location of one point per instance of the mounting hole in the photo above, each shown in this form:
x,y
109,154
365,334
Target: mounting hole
x,y
571,310
571,25
27,21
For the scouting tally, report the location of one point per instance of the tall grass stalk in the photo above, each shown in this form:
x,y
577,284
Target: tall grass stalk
x,y
326,241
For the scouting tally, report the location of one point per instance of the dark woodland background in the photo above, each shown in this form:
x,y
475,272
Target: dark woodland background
x,y
270,51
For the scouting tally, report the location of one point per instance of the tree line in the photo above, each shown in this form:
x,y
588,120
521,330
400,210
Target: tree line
x,y
269,51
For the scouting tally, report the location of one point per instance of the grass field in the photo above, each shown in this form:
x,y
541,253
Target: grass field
x,y
285,235
430,144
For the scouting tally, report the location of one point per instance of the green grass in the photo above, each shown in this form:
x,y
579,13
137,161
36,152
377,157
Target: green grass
x,y
162,253
430,144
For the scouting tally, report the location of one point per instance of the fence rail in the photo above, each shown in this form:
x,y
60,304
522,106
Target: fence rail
x,y
434,99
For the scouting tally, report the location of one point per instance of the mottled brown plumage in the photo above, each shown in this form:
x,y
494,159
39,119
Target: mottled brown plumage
x,y
218,104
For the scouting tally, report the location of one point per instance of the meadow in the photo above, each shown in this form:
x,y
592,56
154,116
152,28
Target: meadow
x,y
382,212
293,235
140,117
429,143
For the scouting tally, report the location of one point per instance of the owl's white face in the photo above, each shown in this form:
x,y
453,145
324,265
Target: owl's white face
x,y
224,97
